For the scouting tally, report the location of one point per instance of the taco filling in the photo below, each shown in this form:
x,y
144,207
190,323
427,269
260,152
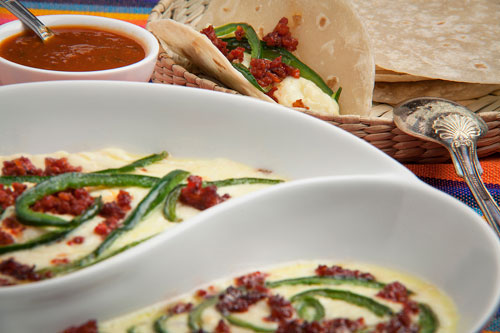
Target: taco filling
x,y
270,66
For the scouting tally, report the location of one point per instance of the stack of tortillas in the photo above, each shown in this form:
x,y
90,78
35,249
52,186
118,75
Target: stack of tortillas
x,y
448,48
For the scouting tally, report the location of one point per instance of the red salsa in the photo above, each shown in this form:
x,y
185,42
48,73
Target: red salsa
x,y
73,49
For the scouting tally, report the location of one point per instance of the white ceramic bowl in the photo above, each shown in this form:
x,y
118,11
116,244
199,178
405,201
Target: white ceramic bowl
x,y
11,72
362,204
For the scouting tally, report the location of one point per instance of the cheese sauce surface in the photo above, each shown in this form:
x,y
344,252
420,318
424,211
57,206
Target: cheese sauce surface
x,y
64,251
301,297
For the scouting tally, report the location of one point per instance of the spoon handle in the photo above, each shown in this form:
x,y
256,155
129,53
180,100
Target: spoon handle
x,y
25,16
465,156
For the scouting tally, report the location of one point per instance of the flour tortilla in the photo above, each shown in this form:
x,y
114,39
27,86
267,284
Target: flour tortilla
x,y
331,37
455,40
397,92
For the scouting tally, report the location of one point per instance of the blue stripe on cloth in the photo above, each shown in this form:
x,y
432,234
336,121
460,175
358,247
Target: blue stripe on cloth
x,y
461,191
106,7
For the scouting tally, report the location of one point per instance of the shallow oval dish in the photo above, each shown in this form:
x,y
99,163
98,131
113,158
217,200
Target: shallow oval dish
x,y
145,118
11,72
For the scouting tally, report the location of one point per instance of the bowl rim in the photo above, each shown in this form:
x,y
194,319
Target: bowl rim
x,y
139,34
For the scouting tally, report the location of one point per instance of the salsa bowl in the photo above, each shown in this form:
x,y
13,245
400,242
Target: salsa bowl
x,y
13,72
345,200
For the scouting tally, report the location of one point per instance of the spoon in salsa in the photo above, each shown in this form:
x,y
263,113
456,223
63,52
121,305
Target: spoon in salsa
x,y
457,129
30,20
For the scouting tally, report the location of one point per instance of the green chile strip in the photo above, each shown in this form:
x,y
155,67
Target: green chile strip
x,y
241,181
349,297
63,182
8,180
318,280
245,324
427,319
148,160
307,303
195,322
159,324
250,35
169,209
55,235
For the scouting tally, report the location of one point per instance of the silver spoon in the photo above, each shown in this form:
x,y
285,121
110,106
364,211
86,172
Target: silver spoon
x,y
458,129
30,20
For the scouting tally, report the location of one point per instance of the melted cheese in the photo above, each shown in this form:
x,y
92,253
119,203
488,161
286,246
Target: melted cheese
x,y
424,292
292,89
208,169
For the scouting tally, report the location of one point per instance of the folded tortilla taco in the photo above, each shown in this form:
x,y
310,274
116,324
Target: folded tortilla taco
x,y
281,51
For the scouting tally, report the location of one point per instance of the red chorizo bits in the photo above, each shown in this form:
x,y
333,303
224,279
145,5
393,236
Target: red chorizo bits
x,y
281,36
113,212
72,202
12,268
8,194
238,300
337,271
219,43
267,72
23,166
199,197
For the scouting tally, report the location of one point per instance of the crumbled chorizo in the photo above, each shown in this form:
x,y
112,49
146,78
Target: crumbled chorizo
x,y
281,36
72,202
222,327
219,43
267,72
21,166
200,197
8,195
337,271
236,54
6,238
113,212
395,292
343,325
300,326
11,267
401,322
252,281
281,308
13,226
180,307
57,166
238,300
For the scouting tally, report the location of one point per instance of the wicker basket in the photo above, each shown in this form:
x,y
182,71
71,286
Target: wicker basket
x,y
378,129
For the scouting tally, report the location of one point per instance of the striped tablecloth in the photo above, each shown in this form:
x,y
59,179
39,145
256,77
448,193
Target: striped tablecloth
x,y
440,176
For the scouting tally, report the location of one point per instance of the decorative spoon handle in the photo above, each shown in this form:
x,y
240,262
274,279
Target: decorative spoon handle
x,y
465,156
25,16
